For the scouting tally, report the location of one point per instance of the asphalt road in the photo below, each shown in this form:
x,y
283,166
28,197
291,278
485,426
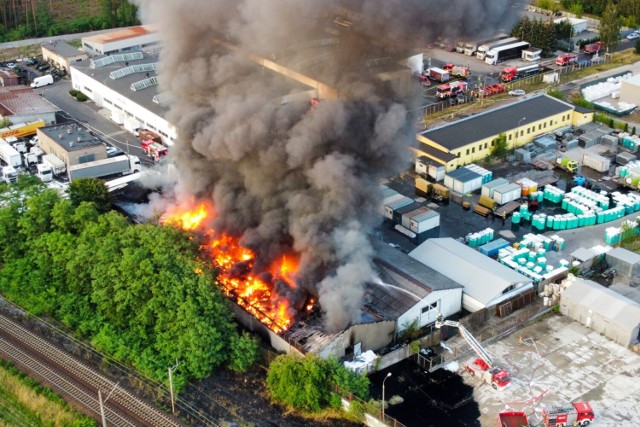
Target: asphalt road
x,y
89,115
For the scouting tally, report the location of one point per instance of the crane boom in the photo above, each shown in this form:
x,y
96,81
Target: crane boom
x,y
471,340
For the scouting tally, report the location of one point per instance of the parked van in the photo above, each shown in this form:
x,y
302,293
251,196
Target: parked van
x,y
42,81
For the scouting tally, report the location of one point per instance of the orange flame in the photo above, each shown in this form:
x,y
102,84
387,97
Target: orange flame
x,y
236,276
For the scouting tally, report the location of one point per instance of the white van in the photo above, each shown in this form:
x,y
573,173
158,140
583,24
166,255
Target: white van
x,y
42,81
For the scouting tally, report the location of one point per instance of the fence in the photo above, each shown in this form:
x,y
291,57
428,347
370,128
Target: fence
x,y
517,84
361,408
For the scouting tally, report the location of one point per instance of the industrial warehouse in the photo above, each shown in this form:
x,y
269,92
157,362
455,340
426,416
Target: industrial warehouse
x,y
472,139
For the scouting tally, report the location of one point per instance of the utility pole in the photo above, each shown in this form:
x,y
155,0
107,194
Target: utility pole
x,y
171,369
102,413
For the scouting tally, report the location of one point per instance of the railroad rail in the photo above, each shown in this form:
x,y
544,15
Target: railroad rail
x,y
76,381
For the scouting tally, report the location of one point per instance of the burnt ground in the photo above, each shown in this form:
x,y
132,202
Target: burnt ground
x,y
225,398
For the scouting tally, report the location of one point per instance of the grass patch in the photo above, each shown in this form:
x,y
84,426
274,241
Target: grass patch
x,y
24,402
9,54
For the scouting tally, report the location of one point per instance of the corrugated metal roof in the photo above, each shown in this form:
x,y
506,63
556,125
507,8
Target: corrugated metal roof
x,y
17,100
121,34
624,255
605,302
482,278
496,121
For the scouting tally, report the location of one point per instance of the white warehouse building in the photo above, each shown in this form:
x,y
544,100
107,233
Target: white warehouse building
x,y
127,86
486,283
120,41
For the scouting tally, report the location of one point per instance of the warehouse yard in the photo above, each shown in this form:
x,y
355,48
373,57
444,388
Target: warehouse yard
x,y
556,361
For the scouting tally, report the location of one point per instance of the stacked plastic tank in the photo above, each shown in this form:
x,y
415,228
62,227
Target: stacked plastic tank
x,y
479,238
612,235
630,142
486,175
630,201
600,198
553,194
530,257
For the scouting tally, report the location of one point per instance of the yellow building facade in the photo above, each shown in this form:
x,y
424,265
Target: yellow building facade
x,y
472,139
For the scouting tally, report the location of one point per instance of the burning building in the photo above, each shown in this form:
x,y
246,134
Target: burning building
x,y
296,174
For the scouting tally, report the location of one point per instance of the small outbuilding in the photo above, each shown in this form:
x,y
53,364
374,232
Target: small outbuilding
x,y
62,54
625,262
603,310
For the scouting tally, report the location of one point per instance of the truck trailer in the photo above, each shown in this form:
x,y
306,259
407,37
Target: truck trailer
x,y
121,165
21,129
9,155
58,167
503,53
510,74
481,54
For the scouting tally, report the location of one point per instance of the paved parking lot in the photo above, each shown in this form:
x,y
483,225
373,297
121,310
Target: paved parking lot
x,y
556,361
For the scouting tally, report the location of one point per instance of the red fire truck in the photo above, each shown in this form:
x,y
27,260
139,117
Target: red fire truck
x,y
576,414
566,59
482,367
457,70
449,90
154,150
592,48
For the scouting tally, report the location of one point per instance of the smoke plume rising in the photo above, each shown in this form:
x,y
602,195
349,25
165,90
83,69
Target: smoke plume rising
x,y
284,175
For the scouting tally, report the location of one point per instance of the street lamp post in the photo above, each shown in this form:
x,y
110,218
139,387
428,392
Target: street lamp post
x,y
515,143
385,378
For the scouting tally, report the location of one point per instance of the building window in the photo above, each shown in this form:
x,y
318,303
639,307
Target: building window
x,y
510,137
88,90
486,145
473,149
540,126
467,151
545,125
528,131
432,306
522,132
87,158
163,134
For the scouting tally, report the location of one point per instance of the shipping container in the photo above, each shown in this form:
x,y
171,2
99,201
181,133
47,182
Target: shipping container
x,y
422,165
425,222
596,162
389,198
463,181
492,248
507,193
436,172
625,157
406,218
609,141
398,213
487,189
423,186
391,207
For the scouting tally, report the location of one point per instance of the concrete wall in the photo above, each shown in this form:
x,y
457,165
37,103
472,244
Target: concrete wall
x,y
70,158
448,302
630,92
372,336
607,327
105,97
252,324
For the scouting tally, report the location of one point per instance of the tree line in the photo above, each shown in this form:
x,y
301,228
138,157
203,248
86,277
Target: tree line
x,y
141,293
23,19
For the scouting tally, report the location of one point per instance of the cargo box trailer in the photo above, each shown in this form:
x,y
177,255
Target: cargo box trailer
x,y
9,155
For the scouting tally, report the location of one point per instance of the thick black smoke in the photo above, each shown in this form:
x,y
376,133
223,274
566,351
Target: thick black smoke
x,y
283,175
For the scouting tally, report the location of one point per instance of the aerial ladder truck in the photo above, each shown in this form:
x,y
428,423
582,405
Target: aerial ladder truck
x,y
481,367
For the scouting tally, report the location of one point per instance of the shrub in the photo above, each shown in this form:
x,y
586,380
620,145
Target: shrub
x,y
556,93
74,92
81,97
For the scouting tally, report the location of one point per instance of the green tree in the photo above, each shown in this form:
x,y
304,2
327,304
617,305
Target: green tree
x,y
244,352
610,28
308,383
90,190
637,48
499,146
576,8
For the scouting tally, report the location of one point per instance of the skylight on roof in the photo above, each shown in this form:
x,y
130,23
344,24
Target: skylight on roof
x,y
162,98
138,68
143,84
121,57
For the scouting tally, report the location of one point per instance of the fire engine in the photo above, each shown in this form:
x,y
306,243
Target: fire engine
x,y
482,367
457,70
510,74
423,79
154,150
566,59
450,89
592,48
576,414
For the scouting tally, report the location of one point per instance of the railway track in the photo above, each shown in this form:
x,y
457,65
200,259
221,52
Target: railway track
x,y
75,381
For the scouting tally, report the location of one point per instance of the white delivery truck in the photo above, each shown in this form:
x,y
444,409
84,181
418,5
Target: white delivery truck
x,y
44,172
9,155
120,165
58,167
42,81
9,174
